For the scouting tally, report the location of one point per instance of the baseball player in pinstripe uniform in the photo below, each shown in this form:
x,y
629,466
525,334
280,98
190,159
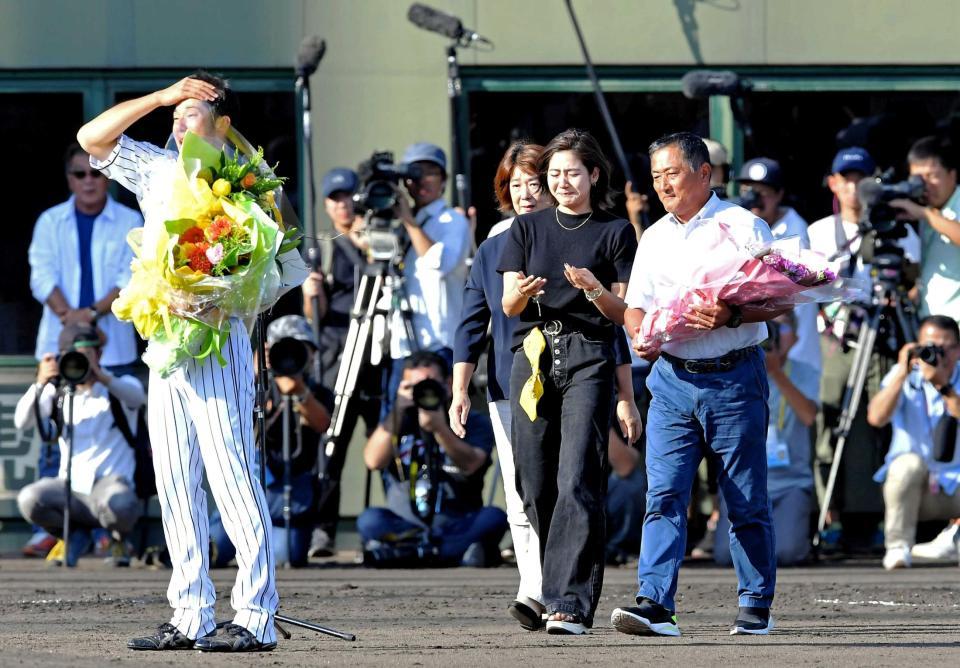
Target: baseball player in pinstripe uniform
x,y
201,416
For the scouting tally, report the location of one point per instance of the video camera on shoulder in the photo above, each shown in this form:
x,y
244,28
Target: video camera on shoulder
x,y
380,179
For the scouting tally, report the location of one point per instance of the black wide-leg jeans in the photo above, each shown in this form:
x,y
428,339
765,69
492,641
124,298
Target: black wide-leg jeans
x,y
562,466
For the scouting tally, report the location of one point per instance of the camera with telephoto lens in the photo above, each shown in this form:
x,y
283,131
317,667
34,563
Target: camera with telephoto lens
x,y
288,357
929,354
380,179
429,394
73,368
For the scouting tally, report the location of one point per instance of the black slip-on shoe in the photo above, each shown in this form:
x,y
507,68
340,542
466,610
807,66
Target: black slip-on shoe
x,y
166,637
529,618
752,621
234,638
647,618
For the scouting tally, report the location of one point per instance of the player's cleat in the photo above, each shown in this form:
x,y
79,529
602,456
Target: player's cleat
x,y
752,621
648,618
39,545
896,557
234,638
167,636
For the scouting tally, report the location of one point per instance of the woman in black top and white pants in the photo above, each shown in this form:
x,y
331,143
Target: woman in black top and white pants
x,y
565,271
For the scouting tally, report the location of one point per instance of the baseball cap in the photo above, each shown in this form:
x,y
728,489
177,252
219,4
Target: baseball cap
x,y
762,170
339,179
290,327
718,154
853,159
425,152
80,335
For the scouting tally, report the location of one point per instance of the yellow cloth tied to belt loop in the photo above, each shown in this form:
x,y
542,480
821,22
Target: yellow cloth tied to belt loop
x,y
533,346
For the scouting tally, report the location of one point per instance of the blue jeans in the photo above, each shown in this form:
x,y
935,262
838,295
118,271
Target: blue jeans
x,y
721,415
454,533
393,373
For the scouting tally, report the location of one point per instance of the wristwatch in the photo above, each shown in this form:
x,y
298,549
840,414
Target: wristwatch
x,y
736,316
946,390
593,295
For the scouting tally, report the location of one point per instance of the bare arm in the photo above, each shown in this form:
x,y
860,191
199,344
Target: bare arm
x,y
518,288
99,136
460,404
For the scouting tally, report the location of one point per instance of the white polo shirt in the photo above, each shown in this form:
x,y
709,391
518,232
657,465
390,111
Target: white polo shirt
x,y
669,251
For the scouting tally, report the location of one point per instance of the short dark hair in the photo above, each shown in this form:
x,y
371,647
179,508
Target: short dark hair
x,y
933,147
523,154
943,322
692,148
226,103
425,358
591,155
72,150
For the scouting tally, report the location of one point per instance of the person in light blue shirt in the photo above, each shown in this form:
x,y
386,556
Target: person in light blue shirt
x,y
934,160
921,471
793,403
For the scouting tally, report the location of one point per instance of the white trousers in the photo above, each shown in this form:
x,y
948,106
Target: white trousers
x,y
201,419
526,543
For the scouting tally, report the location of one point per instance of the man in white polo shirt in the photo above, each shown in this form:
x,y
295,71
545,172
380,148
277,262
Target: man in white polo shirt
x,y
709,395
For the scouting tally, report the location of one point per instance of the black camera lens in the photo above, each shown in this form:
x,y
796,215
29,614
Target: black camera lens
x,y
930,353
288,356
429,394
380,196
74,367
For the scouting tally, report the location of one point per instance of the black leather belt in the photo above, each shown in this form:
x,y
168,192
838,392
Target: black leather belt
x,y
712,365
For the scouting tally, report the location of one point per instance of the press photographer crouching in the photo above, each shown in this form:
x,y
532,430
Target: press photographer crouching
x,y
433,479
305,405
922,468
103,462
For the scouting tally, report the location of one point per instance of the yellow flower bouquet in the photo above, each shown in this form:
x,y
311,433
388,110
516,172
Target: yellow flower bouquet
x,y
208,252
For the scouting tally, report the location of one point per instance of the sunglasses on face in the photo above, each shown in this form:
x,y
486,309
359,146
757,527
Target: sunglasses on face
x,y
79,174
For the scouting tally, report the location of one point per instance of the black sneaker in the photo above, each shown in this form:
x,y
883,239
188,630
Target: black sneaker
x,y
648,618
166,637
752,621
234,638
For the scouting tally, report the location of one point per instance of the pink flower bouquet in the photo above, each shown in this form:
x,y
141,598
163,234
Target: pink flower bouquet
x,y
772,276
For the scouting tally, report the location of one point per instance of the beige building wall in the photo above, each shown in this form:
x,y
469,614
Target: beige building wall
x,y
382,83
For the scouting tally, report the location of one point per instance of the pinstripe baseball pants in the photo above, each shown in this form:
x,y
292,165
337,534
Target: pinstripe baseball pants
x,y
201,418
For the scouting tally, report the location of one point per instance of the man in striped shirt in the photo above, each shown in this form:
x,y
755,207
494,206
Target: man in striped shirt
x,y
200,416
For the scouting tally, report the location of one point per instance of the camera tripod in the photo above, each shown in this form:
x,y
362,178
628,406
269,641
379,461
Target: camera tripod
x,y
888,305
366,317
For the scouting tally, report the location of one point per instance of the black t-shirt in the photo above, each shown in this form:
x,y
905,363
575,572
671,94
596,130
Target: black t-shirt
x,y
538,246
341,282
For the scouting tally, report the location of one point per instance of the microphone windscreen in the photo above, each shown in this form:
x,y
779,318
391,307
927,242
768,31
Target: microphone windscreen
x,y
698,84
309,55
433,20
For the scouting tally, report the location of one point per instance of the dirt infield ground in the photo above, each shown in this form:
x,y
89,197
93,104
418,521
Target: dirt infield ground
x,y
849,614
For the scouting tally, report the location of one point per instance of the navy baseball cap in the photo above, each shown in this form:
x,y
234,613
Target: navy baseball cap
x,y
853,159
340,179
762,170
424,152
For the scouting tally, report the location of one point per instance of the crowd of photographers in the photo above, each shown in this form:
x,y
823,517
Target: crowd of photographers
x,y
396,288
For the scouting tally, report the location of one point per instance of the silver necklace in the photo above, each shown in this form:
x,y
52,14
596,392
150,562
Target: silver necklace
x,y
575,227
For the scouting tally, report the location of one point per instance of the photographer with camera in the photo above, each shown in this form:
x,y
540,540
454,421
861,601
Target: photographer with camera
x,y
434,267
103,462
335,293
290,351
922,468
934,160
433,478
838,237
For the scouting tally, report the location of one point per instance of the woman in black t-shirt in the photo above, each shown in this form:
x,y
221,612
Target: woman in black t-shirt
x,y
565,271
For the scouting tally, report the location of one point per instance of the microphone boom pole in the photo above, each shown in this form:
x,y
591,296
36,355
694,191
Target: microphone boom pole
x,y
602,104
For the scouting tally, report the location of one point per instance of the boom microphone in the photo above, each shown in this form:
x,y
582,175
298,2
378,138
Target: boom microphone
x,y
436,21
699,84
311,51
